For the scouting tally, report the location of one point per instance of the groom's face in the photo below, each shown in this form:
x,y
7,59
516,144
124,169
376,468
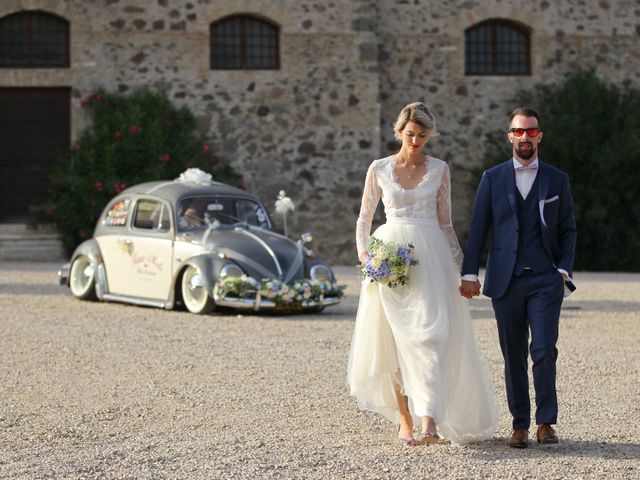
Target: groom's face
x,y
525,147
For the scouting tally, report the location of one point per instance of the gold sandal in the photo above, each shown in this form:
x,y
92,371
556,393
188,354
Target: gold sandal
x,y
429,438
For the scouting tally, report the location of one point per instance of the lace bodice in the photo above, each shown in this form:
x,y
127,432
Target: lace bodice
x,y
429,200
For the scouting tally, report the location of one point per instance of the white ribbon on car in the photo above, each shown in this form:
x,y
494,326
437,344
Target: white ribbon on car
x,y
195,175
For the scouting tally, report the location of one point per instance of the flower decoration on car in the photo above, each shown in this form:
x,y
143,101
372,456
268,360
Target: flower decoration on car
x,y
301,292
284,205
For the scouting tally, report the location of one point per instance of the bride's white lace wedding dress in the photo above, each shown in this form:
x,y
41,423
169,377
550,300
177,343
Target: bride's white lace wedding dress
x,y
419,335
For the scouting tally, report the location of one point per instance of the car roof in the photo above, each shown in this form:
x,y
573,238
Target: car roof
x,y
174,190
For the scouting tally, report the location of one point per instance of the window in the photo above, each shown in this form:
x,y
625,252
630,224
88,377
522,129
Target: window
x,y
152,215
241,42
117,214
497,47
198,212
34,40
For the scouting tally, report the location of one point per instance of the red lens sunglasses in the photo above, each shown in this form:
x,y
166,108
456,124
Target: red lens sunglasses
x,y
518,132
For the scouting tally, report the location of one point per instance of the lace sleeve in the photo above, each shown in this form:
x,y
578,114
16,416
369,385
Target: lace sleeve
x,y
370,198
444,217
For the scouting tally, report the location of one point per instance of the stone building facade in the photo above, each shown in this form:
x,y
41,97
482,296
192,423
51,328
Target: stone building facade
x,y
346,68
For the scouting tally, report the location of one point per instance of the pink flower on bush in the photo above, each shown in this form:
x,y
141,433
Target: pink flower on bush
x,y
83,103
118,134
83,234
96,96
205,148
76,146
242,186
99,186
165,157
118,187
134,129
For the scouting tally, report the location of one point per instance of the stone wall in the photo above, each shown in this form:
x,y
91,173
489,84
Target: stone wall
x,y
347,67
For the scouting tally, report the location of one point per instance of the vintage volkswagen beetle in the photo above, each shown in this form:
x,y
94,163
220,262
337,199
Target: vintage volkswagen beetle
x,y
200,244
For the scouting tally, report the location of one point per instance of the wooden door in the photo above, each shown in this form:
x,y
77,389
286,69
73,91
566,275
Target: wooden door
x,y
35,131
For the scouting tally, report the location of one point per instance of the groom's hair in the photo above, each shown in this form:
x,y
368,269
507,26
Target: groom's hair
x,y
525,112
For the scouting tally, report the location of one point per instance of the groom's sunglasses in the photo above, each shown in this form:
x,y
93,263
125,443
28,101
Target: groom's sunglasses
x,y
518,132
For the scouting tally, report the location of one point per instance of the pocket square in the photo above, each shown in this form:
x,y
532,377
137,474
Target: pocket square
x,y
552,199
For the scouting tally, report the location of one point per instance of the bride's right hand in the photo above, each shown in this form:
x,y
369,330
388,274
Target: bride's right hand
x,y
363,256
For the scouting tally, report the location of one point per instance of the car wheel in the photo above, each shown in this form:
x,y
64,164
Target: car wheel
x,y
82,278
194,292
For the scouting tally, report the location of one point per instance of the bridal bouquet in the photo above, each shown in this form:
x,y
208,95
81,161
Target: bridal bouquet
x,y
388,263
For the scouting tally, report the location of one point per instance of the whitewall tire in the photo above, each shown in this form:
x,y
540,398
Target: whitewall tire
x,y
195,296
82,278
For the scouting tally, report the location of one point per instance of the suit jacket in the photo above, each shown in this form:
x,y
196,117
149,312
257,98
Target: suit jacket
x,y
496,210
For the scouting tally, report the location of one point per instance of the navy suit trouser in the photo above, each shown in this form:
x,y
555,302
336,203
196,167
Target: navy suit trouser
x,y
532,302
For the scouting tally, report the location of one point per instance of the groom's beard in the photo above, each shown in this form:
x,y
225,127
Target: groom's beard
x,y
526,154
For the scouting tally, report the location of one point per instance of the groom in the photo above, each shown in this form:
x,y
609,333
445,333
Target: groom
x,y
528,208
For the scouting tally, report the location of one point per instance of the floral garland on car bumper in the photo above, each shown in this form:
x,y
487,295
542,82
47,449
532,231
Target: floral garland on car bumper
x,y
300,292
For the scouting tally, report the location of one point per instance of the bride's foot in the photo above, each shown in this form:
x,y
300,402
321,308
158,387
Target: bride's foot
x,y
429,433
405,434
429,438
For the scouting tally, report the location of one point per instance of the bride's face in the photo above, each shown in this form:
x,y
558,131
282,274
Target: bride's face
x,y
414,137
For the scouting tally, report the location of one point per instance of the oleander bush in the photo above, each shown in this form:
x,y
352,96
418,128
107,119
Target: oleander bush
x,y
132,139
592,132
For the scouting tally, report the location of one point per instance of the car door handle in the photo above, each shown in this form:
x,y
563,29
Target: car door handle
x,y
127,245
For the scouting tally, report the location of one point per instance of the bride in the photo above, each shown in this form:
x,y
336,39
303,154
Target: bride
x,y
413,356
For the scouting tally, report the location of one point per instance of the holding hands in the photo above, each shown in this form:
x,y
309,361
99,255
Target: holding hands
x,y
469,288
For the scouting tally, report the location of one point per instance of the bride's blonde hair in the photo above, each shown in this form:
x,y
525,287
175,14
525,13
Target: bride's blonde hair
x,y
416,112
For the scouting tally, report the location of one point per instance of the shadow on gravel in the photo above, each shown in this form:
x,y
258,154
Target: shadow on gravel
x,y
602,305
570,308
497,450
32,289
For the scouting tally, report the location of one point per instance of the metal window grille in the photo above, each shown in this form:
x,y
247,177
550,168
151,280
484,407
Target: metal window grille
x,y
34,40
497,47
244,43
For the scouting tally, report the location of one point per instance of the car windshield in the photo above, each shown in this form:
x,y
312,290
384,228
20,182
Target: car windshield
x,y
193,212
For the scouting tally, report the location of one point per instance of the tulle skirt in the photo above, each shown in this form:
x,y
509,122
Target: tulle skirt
x,y
420,337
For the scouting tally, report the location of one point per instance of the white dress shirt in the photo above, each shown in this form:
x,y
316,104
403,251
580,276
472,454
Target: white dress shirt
x,y
525,178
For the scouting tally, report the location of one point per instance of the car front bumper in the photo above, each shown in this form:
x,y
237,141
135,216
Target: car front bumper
x,y
261,303
63,274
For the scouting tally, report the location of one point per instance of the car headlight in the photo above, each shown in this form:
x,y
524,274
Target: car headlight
x,y
321,273
230,270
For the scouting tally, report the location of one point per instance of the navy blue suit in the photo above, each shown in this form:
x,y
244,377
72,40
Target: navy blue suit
x,y
530,239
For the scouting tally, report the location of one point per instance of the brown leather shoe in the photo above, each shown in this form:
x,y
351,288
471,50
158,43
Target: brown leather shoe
x,y
519,438
546,435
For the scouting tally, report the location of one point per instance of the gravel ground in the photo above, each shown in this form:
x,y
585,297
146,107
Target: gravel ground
x,y
99,390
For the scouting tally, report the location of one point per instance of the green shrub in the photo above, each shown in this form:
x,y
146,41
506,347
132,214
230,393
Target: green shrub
x,y
592,132
133,139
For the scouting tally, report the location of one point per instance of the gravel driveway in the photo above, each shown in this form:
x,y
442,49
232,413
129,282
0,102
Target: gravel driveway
x,y
104,390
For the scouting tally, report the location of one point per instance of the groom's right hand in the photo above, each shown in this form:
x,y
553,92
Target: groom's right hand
x,y
470,288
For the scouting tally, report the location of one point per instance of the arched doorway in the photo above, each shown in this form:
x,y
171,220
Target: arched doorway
x,y
34,122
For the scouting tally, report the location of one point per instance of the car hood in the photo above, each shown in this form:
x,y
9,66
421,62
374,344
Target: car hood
x,y
261,253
